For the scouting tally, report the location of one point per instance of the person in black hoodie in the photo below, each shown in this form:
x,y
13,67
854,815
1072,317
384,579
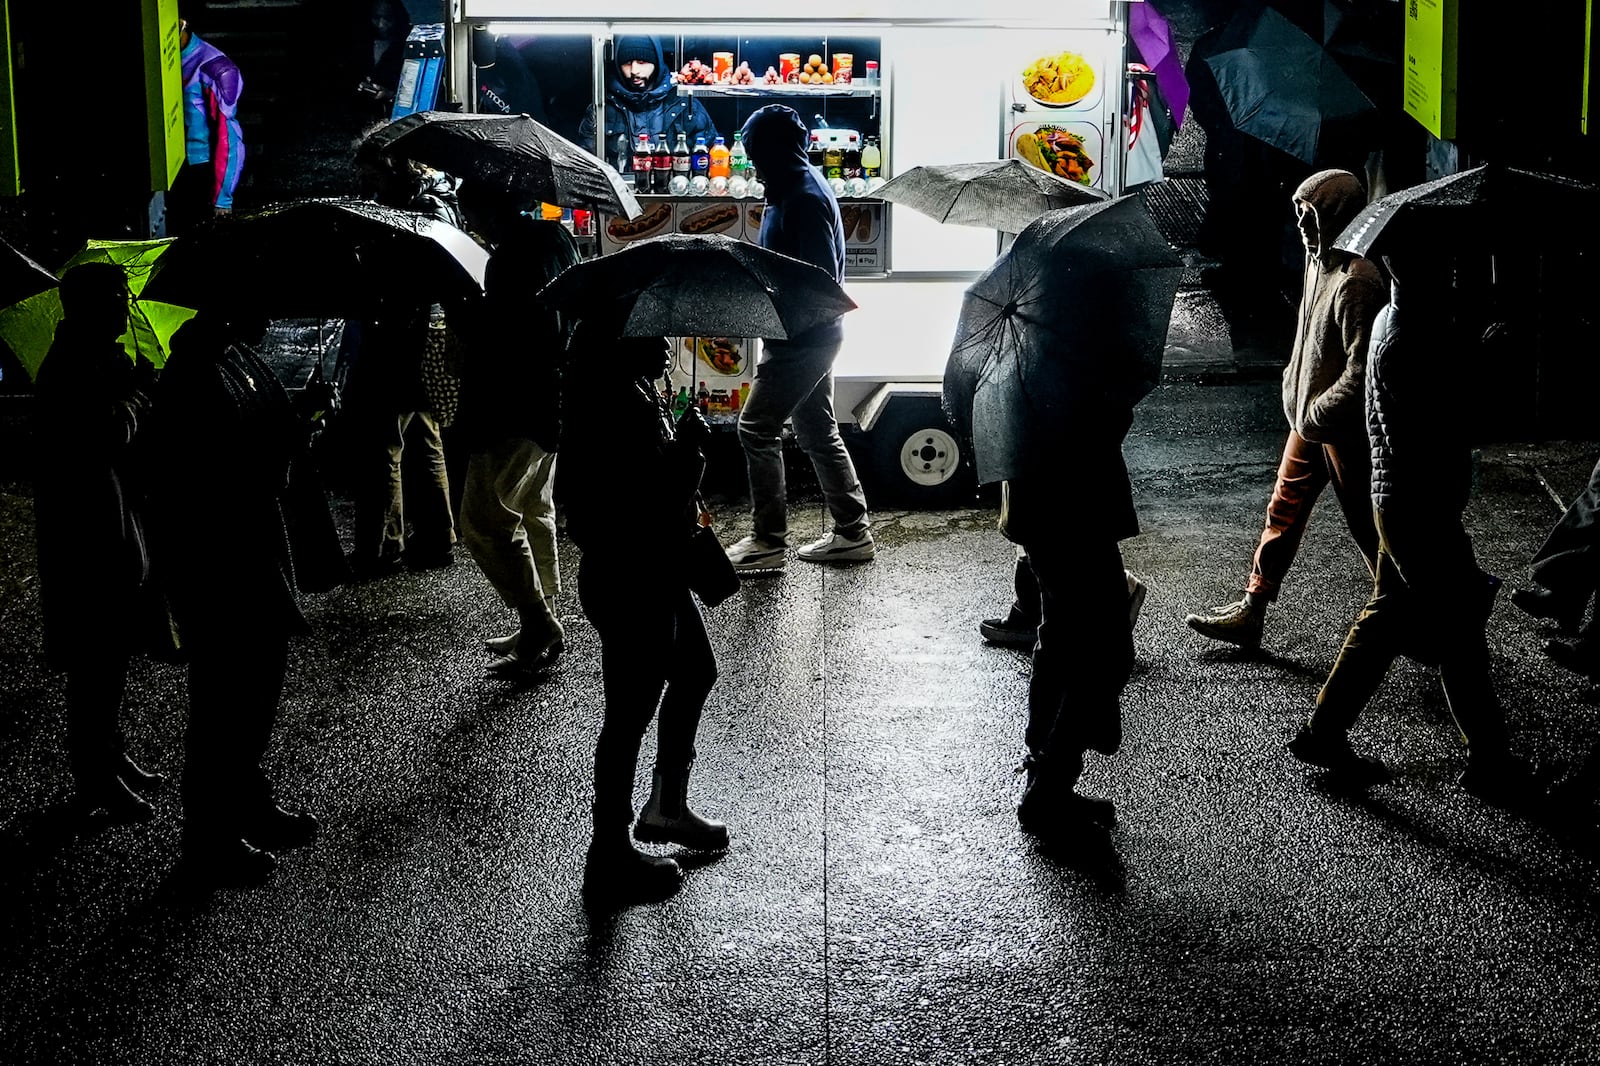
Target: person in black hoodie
x,y
794,379
640,98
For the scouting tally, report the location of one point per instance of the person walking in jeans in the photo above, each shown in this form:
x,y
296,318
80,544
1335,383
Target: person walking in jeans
x,y
794,378
1322,397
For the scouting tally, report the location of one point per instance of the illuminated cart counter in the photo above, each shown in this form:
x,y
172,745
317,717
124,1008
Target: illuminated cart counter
x,y
943,87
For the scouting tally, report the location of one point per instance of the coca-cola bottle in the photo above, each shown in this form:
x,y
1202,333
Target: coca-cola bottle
x,y
661,164
643,164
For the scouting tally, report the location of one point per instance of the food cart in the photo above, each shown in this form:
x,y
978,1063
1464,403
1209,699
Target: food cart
x,y
1043,82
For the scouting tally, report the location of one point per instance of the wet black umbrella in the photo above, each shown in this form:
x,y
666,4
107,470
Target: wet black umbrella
x,y
709,285
1002,194
20,276
1491,208
509,154
331,258
1284,88
1071,317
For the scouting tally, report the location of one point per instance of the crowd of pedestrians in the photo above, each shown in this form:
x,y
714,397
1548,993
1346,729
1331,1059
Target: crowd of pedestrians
x,y
1367,413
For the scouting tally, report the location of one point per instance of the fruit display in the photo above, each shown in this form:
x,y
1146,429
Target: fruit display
x,y
742,75
771,77
815,72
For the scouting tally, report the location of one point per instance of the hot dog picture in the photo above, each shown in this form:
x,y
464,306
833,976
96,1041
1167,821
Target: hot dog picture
x,y
654,219
753,215
719,218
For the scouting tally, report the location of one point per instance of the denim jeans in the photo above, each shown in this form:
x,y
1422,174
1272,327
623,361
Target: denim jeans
x,y
795,383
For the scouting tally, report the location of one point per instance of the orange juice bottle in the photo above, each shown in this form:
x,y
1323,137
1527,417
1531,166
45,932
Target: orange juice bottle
x,y
720,167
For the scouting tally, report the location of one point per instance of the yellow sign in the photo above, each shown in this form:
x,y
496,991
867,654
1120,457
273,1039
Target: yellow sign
x,y
10,169
163,91
1430,75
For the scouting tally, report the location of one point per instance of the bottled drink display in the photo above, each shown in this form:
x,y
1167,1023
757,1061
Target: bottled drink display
x,y
739,159
643,163
700,158
814,151
871,159
624,154
661,165
717,165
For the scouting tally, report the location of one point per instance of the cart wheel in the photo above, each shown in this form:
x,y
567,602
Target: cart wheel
x,y
918,459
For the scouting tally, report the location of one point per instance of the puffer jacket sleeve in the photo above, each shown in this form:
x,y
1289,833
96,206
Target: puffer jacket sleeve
x,y
1355,305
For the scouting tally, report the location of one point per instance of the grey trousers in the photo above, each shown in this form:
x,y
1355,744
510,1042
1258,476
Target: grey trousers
x,y
795,382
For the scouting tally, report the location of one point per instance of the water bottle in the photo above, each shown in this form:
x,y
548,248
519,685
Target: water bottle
x,y
624,153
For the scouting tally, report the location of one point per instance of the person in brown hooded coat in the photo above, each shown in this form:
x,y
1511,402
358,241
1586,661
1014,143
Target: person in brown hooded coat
x,y
1322,399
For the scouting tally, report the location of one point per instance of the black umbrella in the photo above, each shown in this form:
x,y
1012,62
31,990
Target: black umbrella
x,y
20,276
309,258
509,154
1002,194
1491,207
1284,88
1073,316
709,285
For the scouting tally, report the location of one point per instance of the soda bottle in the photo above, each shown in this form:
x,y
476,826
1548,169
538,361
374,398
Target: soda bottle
x,y
718,166
623,155
738,158
643,163
700,158
871,159
814,151
661,165
852,157
680,158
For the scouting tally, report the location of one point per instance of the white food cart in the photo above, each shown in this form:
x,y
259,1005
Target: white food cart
x,y
950,88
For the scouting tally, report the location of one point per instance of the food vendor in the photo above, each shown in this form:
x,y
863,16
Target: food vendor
x,y
641,98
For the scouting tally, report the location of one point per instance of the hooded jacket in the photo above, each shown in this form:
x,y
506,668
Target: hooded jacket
x,y
655,109
801,219
211,133
1322,385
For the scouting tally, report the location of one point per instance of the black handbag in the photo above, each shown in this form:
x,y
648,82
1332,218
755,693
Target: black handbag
x,y
710,573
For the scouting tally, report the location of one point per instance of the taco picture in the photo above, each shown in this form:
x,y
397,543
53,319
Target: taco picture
x,y
1057,151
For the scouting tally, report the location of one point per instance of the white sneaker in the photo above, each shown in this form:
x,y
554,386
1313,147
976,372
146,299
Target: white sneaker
x,y
835,548
754,553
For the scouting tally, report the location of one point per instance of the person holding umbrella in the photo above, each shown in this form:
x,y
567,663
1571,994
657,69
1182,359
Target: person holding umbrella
x,y
794,378
1430,600
628,479
94,569
1322,399
510,426
226,436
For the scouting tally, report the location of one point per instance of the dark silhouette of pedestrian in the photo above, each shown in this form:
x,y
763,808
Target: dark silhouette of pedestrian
x,y
1323,401
1566,574
627,478
1079,671
226,437
392,431
1429,599
99,607
1018,627
510,425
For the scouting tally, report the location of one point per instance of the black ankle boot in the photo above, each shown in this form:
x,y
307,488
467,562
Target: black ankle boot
x,y
616,872
667,818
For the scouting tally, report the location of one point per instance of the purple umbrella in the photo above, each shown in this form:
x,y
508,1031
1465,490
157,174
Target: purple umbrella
x,y
1153,38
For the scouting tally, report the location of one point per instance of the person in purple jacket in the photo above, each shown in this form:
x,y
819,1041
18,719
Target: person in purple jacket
x,y
213,142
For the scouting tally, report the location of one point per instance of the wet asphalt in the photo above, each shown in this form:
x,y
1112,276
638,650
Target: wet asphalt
x,y
879,904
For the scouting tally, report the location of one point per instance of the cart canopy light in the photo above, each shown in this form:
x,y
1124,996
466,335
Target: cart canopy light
x,y
899,12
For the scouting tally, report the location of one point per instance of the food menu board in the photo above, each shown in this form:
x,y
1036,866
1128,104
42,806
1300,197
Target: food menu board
x,y
716,370
864,236
1056,96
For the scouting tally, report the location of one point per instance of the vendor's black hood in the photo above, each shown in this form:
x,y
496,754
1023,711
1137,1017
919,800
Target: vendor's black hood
x,y
775,139
660,87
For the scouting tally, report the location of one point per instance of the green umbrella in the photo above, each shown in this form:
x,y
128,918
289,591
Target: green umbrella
x,y
29,326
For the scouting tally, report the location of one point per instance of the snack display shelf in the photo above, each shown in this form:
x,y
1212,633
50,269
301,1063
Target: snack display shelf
x,y
761,89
